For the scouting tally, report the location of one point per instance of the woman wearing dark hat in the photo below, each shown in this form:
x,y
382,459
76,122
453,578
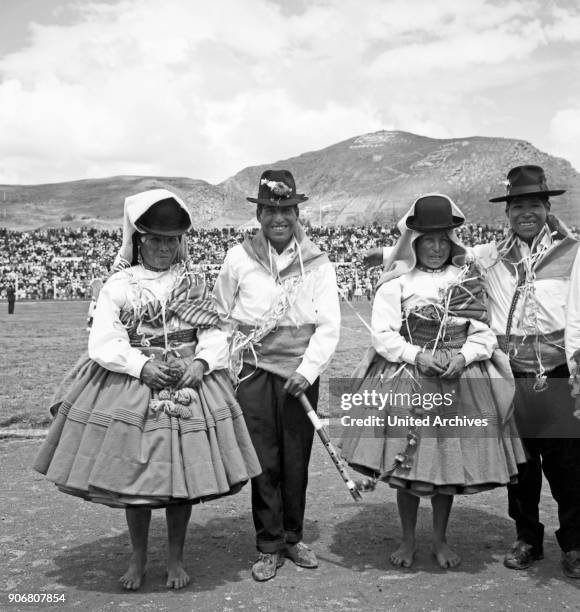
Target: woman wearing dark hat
x,y
447,388
149,419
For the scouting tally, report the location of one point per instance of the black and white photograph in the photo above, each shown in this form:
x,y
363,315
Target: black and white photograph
x,y
290,305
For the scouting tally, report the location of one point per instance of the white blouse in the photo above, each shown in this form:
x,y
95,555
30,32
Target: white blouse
x,y
129,289
414,289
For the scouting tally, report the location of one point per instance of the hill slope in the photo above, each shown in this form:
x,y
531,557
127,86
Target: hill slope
x,y
95,202
373,177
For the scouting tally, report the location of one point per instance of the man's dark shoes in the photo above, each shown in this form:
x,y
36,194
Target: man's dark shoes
x,y
571,563
302,555
266,566
522,555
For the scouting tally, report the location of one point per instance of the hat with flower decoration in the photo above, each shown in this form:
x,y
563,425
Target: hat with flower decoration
x,y
277,188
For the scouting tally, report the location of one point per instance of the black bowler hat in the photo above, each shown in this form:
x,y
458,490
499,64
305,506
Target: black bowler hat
x,y
527,180
165,218
277,188
433,212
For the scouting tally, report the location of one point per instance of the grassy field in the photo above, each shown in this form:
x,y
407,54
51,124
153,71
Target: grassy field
x,y
43,340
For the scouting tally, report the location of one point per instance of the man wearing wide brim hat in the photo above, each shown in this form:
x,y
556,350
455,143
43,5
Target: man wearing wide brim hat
x,y
528,290
278,291
527,277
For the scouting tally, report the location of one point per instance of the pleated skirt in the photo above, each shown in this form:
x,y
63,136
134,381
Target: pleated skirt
x,y
440,459
108,446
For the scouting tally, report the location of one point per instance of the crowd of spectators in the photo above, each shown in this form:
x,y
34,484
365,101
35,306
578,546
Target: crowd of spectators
x,y
61,263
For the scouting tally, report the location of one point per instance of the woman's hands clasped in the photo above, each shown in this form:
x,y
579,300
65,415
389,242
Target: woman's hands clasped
x,y
178,373
428,365
192,375
157,375
455,367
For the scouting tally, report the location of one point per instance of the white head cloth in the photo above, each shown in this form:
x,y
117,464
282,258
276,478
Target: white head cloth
x,y
135,206
403,258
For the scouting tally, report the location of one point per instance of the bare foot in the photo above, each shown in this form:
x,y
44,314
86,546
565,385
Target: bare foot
x,y
177,577
404,555
446,557
133,578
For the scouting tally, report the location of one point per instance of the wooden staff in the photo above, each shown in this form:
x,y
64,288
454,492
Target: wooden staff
x,y
323,435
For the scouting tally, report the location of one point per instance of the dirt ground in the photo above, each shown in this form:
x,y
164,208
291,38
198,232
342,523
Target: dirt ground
x,y
54,543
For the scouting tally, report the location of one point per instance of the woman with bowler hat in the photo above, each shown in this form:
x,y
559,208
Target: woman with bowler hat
x,y
148,419
446,423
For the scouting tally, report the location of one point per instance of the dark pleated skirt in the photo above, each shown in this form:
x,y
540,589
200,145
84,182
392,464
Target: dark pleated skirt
x,y
440,462
107,445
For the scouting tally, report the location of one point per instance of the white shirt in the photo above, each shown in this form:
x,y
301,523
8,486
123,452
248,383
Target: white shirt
x,y
418,288
572,336
244,293
109,342
544,309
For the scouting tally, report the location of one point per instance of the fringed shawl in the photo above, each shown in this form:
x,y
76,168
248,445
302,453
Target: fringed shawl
x,y
307,257
189,301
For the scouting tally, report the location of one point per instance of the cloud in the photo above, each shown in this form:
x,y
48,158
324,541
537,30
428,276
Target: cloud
x,y
566,25
204,89
565,134
268,125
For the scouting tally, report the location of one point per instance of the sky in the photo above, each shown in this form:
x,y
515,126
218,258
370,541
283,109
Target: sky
x,y
204,88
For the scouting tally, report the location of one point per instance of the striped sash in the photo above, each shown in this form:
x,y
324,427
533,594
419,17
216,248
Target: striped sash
x,y
188,302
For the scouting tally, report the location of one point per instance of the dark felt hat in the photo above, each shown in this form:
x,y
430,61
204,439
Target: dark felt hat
x,y
165,218
527,180
277,188
433,212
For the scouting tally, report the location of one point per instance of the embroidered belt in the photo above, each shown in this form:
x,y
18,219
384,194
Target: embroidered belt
x,y
426,332
186,349
176,337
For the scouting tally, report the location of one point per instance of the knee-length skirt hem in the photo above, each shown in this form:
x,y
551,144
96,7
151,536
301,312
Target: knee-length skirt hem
x,y
439,462
108,446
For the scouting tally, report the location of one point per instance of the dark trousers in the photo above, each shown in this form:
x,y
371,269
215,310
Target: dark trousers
x,y
10,306
559,460
282,435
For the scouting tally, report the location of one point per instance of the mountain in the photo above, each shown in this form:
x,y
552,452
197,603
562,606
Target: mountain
x,y
373,177
376,177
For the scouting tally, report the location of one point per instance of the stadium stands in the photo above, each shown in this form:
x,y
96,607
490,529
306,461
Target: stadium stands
x,y
60,263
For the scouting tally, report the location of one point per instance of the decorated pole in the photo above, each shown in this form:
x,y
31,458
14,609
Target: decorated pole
x,y
323,435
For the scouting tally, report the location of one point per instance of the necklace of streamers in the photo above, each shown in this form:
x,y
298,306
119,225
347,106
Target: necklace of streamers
x,y
526,276
171,401
241,342
439,312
